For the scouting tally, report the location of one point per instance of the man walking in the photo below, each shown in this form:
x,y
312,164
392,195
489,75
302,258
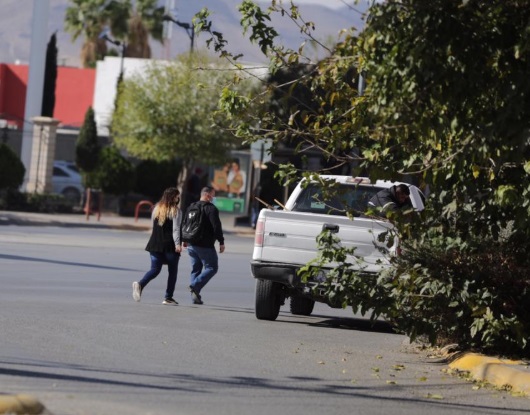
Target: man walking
x,y
204,260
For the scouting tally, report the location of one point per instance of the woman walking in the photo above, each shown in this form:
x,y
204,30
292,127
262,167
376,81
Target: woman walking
x,y
164,245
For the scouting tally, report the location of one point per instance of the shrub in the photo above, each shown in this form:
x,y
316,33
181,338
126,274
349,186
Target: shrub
x,y
473,292
12,199
114,174
12,170
153,177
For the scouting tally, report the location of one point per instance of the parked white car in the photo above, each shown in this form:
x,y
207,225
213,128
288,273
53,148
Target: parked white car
x,y
66,180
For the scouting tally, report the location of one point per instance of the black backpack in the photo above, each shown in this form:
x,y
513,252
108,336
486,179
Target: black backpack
x,y
193,223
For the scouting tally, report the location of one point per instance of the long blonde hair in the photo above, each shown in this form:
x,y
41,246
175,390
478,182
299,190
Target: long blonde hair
x,y
167,206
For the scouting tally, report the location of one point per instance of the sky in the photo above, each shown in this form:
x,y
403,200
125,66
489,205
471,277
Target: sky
x,y
15,26
332,4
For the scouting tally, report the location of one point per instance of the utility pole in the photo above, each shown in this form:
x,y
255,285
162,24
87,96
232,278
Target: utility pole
x,y
190,30
37,59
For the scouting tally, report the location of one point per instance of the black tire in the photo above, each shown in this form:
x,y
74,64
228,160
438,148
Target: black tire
x,y
302,306
268,300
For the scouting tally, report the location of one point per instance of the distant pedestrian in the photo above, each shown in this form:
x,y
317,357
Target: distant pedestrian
x,y
204,260
164,245
256,205
193,188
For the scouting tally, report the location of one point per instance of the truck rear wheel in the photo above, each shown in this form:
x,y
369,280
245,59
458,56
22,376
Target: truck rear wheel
x,y
302,306
268,300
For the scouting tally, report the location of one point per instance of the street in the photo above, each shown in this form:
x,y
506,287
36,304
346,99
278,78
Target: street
x,y
72,336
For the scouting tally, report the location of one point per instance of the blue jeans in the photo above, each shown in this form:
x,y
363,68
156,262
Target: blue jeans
x,y
157,260
204,265
254,216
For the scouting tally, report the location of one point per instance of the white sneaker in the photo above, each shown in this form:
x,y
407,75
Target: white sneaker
x,y
137,291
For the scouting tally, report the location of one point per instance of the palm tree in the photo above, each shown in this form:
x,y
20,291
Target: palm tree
x,y
127,23
87,18
146,19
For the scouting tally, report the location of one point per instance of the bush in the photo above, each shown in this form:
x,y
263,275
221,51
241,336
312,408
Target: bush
x,y
152,177
474,293
12,199
12,170
114,174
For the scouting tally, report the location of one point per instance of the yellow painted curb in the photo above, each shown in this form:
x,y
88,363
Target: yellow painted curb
x,y
498,372
20,404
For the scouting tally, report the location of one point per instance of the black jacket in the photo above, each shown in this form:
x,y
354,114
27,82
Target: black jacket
x,y
386,196
165,238
213,230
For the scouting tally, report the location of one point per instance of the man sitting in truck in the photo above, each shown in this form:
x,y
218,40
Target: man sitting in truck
x,y
394,198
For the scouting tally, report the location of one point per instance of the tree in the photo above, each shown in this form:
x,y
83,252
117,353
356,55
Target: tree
x,y
446,103
50,78
114,173
87,148
88,18
153,177
170,112
127,23
146,19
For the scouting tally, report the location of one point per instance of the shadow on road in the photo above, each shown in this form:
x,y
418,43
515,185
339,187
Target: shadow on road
x,y
316,320
74,264
76,377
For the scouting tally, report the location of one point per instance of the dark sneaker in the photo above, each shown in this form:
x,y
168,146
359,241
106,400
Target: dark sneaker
x,y
169,301
137,291
195,296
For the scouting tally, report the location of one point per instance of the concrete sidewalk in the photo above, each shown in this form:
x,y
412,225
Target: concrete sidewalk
x,y
106,221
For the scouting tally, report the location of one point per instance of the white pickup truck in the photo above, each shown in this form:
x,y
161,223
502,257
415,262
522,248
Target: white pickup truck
x,y
286,240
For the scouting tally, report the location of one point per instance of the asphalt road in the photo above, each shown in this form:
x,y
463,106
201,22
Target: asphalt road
x,y
71,335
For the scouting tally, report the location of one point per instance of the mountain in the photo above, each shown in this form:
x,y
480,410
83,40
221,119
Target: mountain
x,y
15,28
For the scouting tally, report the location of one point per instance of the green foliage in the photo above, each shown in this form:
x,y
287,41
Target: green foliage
x,y
153,177
129,22
475,295
50,78
114,174
255,20
87,147
446,104
12,199
12,169
169,113
453,106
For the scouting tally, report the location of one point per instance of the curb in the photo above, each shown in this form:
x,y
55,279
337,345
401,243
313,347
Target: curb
x,y
499,372
21,404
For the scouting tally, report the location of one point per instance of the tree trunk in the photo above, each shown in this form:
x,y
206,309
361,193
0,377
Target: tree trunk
x,y
182,181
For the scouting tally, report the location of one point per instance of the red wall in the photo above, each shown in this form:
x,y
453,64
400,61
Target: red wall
x,y
13,81
74,93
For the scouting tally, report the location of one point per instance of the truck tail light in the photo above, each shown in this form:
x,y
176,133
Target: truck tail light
x,y
258,239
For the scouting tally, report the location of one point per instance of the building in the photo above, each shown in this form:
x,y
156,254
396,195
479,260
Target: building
x,y
74,94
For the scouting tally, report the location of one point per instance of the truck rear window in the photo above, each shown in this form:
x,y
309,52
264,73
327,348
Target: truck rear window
x,y
352,198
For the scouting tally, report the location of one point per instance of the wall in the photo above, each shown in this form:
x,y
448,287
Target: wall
x,y
13,82
73,94
108,72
